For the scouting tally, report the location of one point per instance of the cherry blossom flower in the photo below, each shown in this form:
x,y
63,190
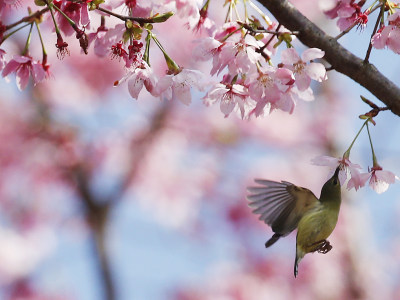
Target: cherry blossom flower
x,y
389,36
7,3
379,180
24,66
229,96
2,59
143,8
139,77
76,11
268,85
238,55
346,167
302,71
188,9
206,48
106,38
203,22
178,85
348,12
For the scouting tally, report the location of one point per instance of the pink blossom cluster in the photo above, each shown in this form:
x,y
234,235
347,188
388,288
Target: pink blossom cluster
x,y
251,84
348,12
379,179
389,36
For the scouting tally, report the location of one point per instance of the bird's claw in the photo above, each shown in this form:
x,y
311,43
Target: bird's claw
x,y
325,247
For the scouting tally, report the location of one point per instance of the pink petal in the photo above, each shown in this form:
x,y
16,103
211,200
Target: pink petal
x,y
284,75
285,103
393,41
303,81
182,92
344,23
386,176
377,185
290,56
324,160
227,106
306,95
312,53
357,182
379,39
273,94
38,73
164,83
316,71
22,77
84,15
11,67
21,59
135,85
346,12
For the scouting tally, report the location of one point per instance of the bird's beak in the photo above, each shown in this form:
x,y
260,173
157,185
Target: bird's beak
x,y
336,172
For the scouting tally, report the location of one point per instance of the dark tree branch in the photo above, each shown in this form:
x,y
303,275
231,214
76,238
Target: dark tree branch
x,y
341,59
96,213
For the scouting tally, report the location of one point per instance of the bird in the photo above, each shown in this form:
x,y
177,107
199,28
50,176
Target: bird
x,y
285,207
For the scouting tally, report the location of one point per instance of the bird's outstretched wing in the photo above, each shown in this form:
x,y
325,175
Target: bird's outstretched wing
x,y
280,204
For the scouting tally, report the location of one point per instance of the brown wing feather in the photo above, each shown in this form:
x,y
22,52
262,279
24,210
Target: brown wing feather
x,y
280,204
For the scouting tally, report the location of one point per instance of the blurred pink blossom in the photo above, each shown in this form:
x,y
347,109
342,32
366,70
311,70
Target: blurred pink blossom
x,y
24,66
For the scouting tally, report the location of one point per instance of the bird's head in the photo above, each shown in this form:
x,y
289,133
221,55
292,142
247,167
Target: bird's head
x,y
331,188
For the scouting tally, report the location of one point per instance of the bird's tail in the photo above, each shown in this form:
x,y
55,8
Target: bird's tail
x,y
296,267
272,240
296,263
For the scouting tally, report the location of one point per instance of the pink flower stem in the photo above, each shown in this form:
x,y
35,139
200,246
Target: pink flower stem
x,y
378,20
41,41
70,21
347,153
172,65
28,42
374,160
50,5
146,56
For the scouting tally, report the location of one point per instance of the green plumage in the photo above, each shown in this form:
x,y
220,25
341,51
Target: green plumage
x,y
286,207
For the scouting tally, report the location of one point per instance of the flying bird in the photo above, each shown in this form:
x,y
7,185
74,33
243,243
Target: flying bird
x,y
285,207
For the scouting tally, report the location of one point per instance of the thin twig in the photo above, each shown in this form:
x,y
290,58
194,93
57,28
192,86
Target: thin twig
x,y
28,19
126,18
373,33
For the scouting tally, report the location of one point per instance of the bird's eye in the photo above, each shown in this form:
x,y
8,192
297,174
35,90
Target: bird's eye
x,y
335,182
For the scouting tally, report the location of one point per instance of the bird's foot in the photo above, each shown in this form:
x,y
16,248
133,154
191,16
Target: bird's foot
x,y
324,247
